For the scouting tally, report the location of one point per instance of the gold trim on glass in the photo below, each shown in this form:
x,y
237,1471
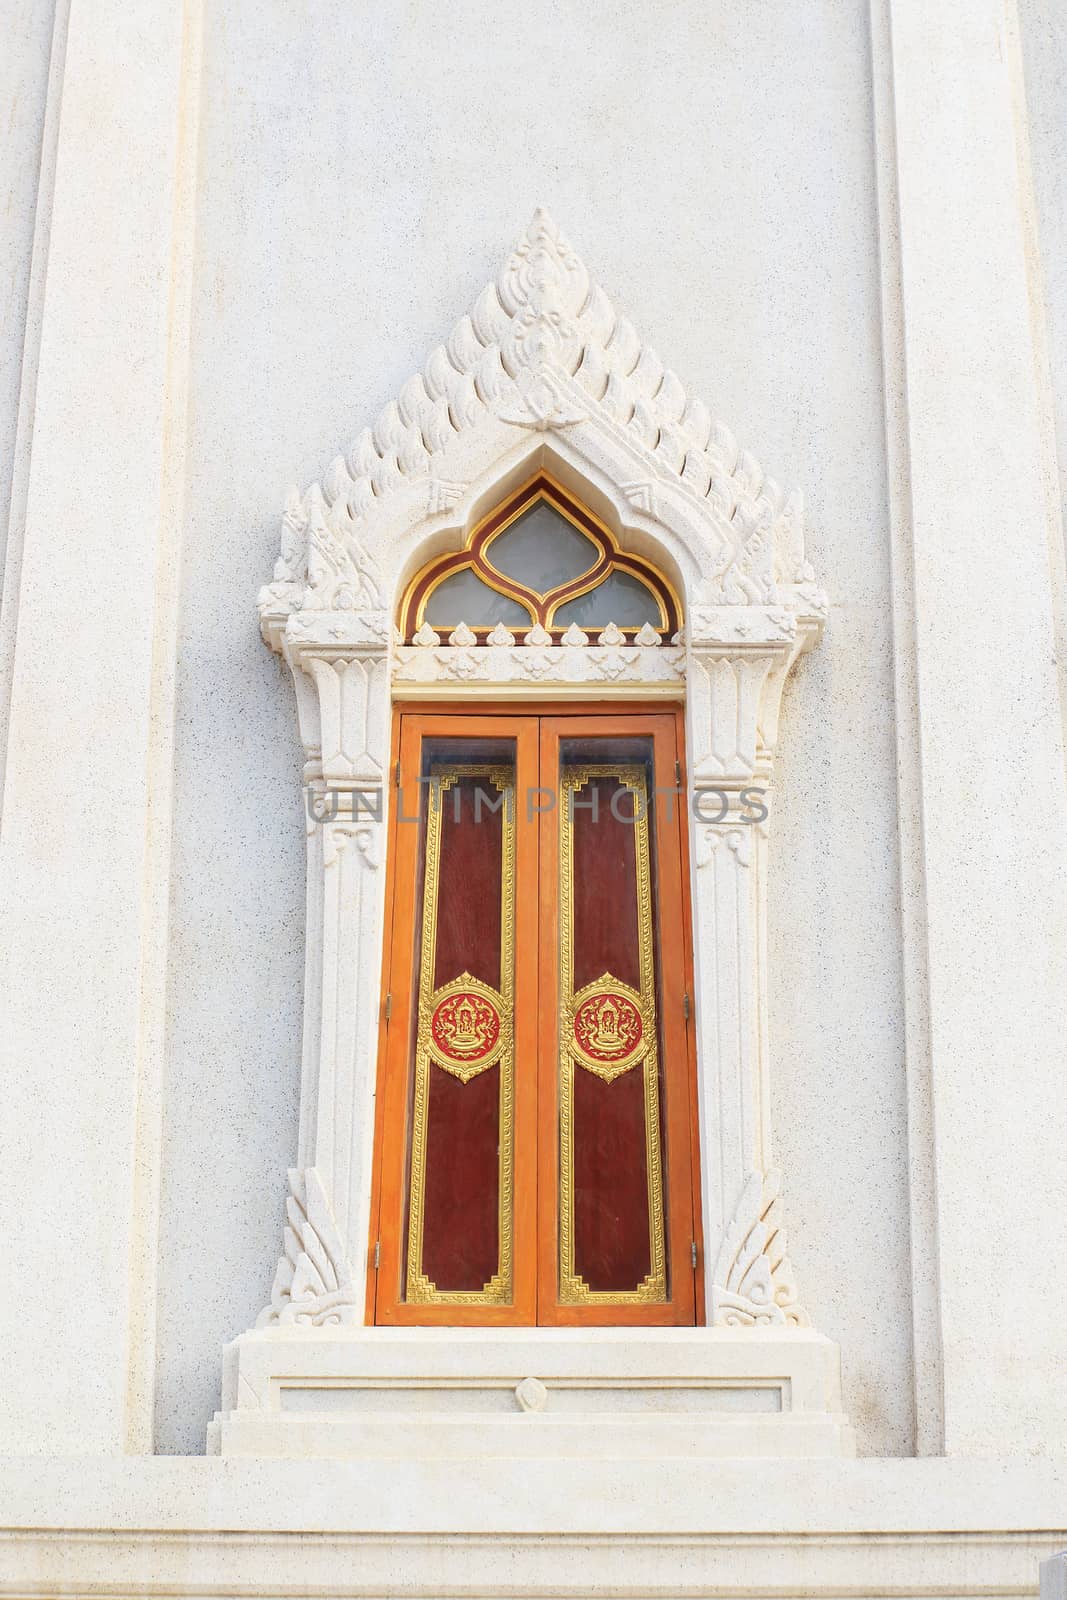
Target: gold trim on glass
x,y
573,1290
542,486
557,505
421,1290
588,588
497,581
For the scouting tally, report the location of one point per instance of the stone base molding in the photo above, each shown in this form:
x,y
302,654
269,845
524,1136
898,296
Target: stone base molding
x,y
483,1529
522,1394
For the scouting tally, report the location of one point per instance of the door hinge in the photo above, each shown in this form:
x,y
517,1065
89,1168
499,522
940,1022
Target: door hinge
x,y
692,1254
396,775
685,1006
678,773
378,1253
388,1006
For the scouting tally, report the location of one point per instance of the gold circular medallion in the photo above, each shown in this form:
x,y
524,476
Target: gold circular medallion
x,y
465,1026
609,1031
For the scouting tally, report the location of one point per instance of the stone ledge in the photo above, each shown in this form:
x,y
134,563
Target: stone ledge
x,y
873,1498
651,1394
192,1528
231,1564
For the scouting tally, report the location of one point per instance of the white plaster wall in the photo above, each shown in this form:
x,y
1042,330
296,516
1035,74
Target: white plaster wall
x,y
363,171
1043,30
24,62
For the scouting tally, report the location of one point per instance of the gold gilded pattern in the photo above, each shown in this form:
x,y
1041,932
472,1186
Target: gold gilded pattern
x,y
610,1027
420,1289
466,1032
573,1290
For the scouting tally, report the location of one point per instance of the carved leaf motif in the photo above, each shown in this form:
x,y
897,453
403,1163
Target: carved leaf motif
x,y
753,1282
336,837
575,635
500,636
712,838
641,495
537,663
463,636
314,1283
291,565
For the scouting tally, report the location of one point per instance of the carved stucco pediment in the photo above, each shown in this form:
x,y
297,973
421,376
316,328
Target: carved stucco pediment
x,y
542,351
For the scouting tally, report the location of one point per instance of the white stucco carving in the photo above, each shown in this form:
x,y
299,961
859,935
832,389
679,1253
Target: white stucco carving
x,y
313,1284
544,374
753,1284
499,664
543,350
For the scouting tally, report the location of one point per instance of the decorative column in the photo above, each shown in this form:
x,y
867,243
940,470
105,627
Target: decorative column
x,y
89,689
336,639
979,620
738,658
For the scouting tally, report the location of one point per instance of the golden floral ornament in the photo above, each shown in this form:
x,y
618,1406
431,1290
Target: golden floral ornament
x,y
465,1031
610,1029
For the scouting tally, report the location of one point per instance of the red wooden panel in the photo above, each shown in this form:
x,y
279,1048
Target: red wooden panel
x,y
611,1221
468,891
611,1236
605,885
461,1224
460,1241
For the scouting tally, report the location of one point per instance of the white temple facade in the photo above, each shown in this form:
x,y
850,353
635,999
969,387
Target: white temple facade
x,y
533,851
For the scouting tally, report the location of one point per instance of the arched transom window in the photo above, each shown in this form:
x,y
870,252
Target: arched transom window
x,y
540,558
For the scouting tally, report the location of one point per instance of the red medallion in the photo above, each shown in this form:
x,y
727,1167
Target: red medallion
x,y
465,1026
608,1026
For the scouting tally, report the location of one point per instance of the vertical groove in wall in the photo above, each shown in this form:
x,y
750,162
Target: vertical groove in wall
x,y
155,905
927,1352
1042,359
15,523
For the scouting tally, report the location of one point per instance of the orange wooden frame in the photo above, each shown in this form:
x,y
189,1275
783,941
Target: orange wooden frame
x,y
536,730
673,985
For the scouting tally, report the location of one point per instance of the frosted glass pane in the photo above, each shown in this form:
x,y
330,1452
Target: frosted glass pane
x,y
620,598
464,597
542,549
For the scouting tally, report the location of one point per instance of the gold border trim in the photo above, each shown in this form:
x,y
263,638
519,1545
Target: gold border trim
x,y
421,1290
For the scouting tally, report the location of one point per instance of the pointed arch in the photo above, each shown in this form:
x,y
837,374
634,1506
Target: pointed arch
x,y
481,557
